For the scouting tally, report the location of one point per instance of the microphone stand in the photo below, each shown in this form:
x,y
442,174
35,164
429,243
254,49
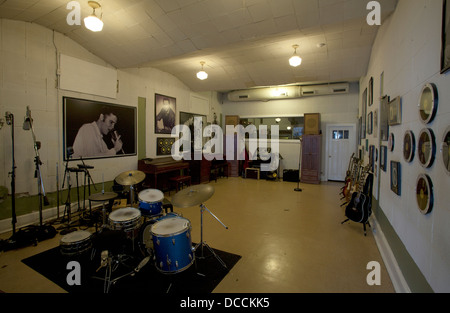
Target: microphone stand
x,y
298,189
38,173
10,121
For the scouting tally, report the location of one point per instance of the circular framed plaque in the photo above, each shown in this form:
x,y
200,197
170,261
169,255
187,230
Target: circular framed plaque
x,y
428,103
445,150
426,148
391,142
424,194
409,145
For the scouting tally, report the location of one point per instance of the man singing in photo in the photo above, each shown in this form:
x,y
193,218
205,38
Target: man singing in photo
x,y
90,139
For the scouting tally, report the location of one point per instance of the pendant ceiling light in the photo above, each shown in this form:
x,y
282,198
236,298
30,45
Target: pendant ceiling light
x,y
202,75
295,60
92,22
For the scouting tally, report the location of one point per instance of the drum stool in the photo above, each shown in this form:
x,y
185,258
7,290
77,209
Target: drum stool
x,y
179,181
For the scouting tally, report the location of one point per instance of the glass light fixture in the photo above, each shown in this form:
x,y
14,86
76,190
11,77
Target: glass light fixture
x,y
202,75
92,22
295,60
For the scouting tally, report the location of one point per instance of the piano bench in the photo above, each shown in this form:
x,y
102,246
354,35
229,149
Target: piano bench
x,y
179,181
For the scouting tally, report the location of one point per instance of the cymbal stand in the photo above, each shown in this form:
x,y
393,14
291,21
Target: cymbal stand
x,y
202,243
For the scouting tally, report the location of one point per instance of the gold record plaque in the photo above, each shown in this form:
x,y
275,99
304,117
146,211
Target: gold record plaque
x,y
445,150
424,194
426,149
409,146
428,103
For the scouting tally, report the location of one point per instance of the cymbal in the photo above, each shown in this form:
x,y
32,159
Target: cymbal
x,y
103,196
192,196
130,178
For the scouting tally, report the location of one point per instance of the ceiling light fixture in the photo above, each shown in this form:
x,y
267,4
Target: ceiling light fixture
x,y
92,22
202,75
295,60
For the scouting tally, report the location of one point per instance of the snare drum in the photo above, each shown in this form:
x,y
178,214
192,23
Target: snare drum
x,y
172,244
76,243
150,202
126,219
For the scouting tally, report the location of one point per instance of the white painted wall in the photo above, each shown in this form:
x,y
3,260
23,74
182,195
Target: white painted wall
x,y
333,109
408,49
28,77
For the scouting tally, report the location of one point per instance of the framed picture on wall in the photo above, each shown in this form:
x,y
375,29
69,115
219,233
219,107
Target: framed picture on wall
x,y
395,112
445,49
165,108
396,177
383,158
370,100
93,129
188,120
364,114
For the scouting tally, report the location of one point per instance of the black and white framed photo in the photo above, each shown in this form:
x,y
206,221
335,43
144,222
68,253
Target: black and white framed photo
x,y
165,113
364,114
384,118
93,129
370,123
188,119
445,49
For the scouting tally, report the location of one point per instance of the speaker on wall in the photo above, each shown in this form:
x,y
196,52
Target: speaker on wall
x,y
312,123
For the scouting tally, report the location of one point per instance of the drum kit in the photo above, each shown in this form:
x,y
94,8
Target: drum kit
x,y
154,233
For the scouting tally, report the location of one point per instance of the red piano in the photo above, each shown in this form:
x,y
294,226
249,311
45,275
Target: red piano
x,y
162,168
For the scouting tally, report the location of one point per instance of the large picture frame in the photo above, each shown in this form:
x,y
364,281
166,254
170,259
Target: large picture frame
x,y
91,128
445,49
188,120
165,113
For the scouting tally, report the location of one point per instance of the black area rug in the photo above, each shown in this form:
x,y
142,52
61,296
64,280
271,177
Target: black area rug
x,y
199,278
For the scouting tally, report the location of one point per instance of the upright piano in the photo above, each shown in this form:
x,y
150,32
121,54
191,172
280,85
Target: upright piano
x,y
154,167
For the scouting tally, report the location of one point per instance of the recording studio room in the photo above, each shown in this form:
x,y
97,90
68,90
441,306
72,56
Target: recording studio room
x,y
224,147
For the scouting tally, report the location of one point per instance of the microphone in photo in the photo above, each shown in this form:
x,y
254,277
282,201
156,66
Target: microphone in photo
x,y
115,137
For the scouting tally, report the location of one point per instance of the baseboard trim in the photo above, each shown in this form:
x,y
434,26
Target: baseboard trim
x,y
395,273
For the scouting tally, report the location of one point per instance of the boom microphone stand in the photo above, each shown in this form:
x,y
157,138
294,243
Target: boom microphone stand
x,y
28,124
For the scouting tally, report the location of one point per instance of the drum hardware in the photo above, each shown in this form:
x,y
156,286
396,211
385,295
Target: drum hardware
x,y
130,179
111,264
67,209
87,176
197,195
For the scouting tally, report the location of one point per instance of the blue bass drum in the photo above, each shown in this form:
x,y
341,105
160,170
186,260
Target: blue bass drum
x,y
150,202
172,244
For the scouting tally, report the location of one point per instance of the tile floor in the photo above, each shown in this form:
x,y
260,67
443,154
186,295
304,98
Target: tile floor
x,y
290,242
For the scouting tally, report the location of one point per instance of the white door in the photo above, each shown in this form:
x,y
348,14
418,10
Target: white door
x,y
341,146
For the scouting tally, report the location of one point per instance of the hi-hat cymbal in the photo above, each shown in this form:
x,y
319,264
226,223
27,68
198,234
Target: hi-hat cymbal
x,y
130,178
192,196
103,196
